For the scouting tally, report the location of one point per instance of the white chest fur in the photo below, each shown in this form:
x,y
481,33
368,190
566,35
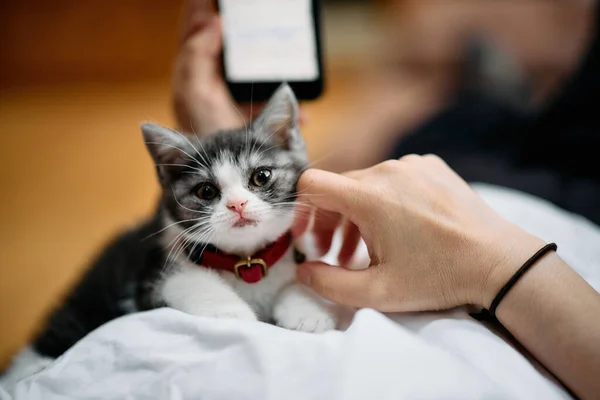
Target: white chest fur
x,y
192,288
202,291
205,292
261,295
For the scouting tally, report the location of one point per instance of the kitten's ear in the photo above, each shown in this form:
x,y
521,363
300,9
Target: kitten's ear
x,y
279,119
165,145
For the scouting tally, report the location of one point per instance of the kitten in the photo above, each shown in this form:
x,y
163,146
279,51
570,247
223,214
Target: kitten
x,y
228,201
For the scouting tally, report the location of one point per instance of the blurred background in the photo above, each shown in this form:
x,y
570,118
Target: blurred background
x,y
76,78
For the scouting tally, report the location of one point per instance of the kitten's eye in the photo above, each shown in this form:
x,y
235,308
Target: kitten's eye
x,y
207,191
261,177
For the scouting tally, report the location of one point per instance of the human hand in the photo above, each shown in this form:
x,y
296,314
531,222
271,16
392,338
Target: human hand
x,y
432,241
202,101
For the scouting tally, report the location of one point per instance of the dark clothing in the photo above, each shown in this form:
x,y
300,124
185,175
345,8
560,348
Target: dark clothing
x,y
553,153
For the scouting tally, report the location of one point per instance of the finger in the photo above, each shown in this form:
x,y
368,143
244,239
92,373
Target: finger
x,y
202,48
196,14
324,227
351,238
332,192
198,80
337,284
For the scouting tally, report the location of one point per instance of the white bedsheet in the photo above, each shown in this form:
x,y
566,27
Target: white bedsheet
x,y
165,354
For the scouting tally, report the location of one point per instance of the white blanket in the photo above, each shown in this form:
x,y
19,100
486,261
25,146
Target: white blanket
x,y
165,354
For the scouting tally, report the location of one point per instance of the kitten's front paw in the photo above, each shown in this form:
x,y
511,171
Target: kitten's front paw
x,y
227,311
306,317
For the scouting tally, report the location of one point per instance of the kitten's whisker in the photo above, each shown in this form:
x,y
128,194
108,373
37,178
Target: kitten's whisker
x,y
265,150
199,142
241,115
178,148
194,238
190,143
168,226
206,244
216,244
204,239
303,194
183,233
249,127
204,212
272,133
281,208
275,205
179,165
268,110
181,246
300,192
191,173
168,259
295,202
181,205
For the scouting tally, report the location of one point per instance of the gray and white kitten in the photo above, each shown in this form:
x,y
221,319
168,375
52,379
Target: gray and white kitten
x,y
204,183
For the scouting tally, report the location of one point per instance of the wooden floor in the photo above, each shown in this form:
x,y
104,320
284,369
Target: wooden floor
x,y
73,171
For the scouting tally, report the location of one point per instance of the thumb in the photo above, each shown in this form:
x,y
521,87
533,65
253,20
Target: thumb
x,y
332,192
196,14
337,284
198,77
203,48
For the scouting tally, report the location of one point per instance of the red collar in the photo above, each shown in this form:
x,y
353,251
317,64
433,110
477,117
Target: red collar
x,y
250,269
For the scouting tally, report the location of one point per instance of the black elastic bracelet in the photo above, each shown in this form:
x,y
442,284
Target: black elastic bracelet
x,y
490,314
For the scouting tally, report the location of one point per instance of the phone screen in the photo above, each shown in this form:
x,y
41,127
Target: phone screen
x,y
269,40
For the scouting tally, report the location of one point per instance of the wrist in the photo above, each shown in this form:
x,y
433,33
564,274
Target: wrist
x,y
506,254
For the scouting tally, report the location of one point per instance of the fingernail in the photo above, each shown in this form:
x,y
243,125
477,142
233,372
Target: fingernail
x,y
304,276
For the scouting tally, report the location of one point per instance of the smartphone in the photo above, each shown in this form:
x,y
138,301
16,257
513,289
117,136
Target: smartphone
x,y
268,42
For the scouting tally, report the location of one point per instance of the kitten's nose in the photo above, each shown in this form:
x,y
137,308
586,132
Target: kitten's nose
x,y
237,205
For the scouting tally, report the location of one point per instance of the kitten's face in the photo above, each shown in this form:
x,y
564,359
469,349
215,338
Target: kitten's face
x,y
235,189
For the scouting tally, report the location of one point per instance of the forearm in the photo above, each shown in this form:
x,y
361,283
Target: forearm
x,y
555,314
